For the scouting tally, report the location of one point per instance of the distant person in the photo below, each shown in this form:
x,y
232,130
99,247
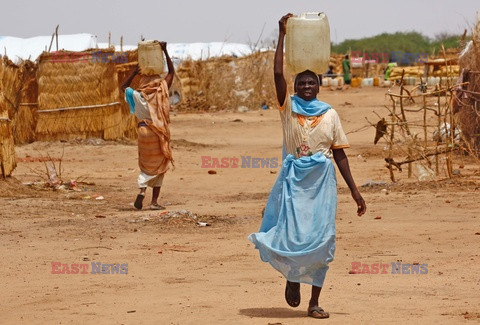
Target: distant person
x,y
330,73
150,104
389,69
297,235
346,70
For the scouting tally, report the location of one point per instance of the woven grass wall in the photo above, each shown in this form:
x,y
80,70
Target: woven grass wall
x,y
469,112
227,83
25,117
7,149
78,98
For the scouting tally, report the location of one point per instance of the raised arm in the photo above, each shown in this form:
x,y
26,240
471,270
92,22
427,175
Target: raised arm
x,y
280,83
342,162
128,81
171,68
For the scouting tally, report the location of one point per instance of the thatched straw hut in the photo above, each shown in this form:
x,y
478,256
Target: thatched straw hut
x,y
227,83
78,96
7,150
467,101
25,116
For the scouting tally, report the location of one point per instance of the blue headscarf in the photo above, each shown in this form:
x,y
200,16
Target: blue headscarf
x,y
312,107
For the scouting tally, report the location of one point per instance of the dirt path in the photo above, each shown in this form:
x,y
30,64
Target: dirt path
x,y
180,273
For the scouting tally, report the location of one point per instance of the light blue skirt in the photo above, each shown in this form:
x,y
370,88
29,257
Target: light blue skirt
x,y
297,235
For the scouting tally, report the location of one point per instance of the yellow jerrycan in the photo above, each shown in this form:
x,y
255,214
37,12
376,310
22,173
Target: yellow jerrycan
x,y
307,44
150,57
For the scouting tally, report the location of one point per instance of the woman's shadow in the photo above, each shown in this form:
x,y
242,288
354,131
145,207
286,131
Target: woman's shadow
x,y
272,312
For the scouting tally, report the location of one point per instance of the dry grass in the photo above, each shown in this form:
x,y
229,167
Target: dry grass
x,y
78,99
227,83
7,149
469,111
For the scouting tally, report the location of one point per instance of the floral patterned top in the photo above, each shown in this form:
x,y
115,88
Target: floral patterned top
x,y
305,136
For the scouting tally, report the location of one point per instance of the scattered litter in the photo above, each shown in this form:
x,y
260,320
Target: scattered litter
x,y
242,109
370,183
85,258
273,172
96,142
131,311
377,217
212,172
173,216
98,197
237,120
361,158
101,217
425,173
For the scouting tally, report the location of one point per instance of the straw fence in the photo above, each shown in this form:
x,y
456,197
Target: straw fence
x,y
7,102
467,99
78,99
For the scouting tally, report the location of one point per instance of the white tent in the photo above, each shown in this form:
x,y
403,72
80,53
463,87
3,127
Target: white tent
x,y
30,48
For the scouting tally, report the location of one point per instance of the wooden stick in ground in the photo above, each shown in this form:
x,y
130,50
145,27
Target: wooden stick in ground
x,y
56,35
452,132
407,129
390,147
408,161
439,136
447,141
425,142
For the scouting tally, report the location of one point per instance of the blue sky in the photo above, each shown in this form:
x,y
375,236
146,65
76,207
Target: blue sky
x,y
233,21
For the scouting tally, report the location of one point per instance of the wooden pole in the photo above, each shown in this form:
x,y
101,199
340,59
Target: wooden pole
x,y
439,127
109,39
56,35
407,129
390,147
121,43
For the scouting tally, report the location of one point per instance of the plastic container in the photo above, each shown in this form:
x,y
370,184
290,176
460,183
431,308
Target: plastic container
x,y
307,44
367,82
326,81
334,83
356,82
376,81
340,81
150,57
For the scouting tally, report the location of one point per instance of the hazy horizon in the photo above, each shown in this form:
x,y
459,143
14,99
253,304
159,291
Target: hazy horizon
x,y
243,22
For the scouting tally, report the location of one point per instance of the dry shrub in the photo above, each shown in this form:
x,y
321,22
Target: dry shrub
x,y
227,83
468,114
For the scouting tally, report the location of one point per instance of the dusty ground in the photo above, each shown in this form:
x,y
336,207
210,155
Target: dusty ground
x,y
179,273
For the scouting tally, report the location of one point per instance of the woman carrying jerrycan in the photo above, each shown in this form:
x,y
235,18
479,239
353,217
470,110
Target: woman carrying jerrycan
x,y
297,234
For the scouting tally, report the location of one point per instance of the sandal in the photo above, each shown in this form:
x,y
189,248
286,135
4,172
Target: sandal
x,y
317,312
292,294
139,201
157,207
